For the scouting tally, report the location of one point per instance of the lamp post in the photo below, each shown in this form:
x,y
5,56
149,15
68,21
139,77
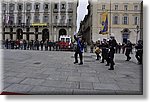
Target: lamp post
x,y
137,32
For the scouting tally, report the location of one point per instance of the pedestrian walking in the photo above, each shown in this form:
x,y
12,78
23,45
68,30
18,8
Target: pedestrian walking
x,y
79,49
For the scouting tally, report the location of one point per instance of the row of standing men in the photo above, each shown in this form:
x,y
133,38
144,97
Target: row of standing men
x,y
31,45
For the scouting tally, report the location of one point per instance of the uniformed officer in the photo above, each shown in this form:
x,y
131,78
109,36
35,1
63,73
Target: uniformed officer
x,y
128,47
104,47
139,52
79,49
112,45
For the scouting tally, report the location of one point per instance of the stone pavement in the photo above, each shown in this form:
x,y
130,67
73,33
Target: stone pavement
x,y
51,72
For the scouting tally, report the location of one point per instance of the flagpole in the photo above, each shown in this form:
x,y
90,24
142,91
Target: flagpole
x,y
110,20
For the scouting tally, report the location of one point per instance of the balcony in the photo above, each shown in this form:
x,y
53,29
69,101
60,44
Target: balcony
x,y
62,24
23,25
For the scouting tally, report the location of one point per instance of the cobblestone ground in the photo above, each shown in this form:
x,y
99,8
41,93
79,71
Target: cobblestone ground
x,y
51,72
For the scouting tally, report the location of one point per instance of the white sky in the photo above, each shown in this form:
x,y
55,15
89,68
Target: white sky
x,y
81,11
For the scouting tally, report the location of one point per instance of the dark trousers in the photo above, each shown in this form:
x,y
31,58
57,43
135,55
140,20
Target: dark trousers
x,y
139,56
98,56
112,63
128,51
80,55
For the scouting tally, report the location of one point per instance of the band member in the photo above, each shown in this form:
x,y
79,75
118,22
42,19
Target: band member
x,y
139,52
112,45
128,47
79,49
104,47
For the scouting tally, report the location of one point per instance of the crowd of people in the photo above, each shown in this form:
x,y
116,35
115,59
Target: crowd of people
x,y
22,44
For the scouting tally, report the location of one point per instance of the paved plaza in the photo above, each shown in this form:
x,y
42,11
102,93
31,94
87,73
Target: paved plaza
x,y
53,72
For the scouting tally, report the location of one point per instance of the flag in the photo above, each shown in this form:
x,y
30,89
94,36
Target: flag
x,y
104,28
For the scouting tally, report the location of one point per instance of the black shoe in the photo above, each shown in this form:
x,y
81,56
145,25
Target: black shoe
x,y
129,58
107,65
102,62
111,69
75,62
80,63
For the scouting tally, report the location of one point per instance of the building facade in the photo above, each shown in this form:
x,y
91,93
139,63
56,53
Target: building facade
x,y
124,19
38,19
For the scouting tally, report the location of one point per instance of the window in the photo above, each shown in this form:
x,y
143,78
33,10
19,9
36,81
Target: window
x,y
63,6
125,7
19,20
11,19
103,7
28,6
11,7
11,29
28,19
63,17
37,6
56,17
135,20
70,19
69,5
136,7
36,18
116,7
125,20
4,7
45,18
55,6
115,21
20,7
46,6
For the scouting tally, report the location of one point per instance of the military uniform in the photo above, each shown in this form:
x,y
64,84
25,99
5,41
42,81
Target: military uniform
x,y
79,50
112,45
139,52
104,47
128,50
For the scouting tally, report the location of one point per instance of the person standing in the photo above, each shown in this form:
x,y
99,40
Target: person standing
x,y
37,44
79,49
98,50
6,43
112,45
25,44
104,47
46,44
128,50
41,44
139,52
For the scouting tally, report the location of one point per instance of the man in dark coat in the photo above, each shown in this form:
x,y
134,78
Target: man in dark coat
x,y
79,49
104,47
139,52
112,45
128,47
